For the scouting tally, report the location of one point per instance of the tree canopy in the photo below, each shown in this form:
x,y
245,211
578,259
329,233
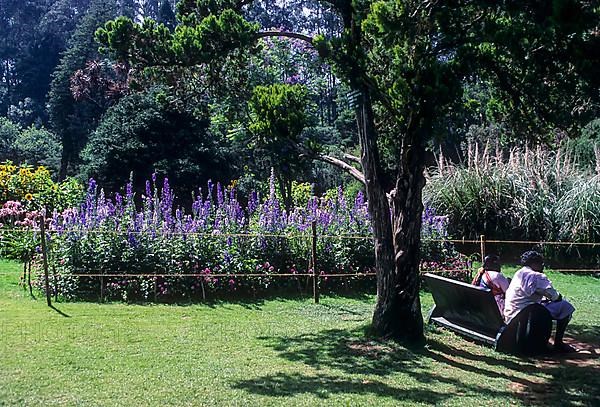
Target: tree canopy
x,y
142,134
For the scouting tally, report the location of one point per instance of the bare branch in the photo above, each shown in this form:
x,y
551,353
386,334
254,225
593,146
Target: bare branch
x,y
298,36
343,165
352,158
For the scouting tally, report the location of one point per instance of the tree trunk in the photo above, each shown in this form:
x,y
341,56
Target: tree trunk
x,y
400,297
285,186
64,159
396,233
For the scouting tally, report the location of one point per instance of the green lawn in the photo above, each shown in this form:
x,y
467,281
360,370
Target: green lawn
x,y
272,352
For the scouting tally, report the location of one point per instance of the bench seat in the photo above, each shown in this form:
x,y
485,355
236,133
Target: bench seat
x,y
472,312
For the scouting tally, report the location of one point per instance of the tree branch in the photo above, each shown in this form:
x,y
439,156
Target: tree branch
x,y
298,36
352,158
368,81
343,165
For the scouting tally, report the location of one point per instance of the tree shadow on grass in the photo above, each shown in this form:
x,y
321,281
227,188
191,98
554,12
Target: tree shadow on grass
x,y
251,302
354,353
442,364
575,377
244,301
60,312
552,379
324,386
571,379
585,334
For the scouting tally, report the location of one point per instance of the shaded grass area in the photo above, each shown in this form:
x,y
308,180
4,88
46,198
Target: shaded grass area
x,y
269,352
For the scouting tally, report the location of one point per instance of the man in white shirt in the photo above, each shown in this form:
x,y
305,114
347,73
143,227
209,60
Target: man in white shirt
x,y
530,286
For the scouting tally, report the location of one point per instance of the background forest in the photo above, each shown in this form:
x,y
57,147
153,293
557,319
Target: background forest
x,y
68,107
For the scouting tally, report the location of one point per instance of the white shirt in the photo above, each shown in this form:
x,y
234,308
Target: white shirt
x,y
527,287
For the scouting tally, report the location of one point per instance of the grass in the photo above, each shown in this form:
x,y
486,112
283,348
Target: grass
x,y
270,352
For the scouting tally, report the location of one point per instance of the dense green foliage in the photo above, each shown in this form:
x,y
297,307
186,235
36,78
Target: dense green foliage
x,y
467,60
143,134
488,101
32,145
32,36
72,120
199,64
278,114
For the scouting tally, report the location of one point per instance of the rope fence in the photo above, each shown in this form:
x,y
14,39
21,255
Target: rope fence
x,y
310,234
293,236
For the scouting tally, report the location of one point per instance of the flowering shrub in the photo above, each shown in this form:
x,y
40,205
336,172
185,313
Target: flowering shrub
x,y
176,255
18,239
24,183
439,256
23,192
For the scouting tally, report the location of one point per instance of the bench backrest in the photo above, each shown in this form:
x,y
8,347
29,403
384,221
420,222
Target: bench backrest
x,y
465,304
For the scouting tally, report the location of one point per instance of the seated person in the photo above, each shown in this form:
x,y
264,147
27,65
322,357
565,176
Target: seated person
x,y
529,286
489,276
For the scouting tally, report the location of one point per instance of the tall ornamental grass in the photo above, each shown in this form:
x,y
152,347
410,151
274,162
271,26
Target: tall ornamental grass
x,y
530,194
578,211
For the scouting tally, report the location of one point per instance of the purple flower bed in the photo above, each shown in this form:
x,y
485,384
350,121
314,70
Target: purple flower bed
x,y
219,245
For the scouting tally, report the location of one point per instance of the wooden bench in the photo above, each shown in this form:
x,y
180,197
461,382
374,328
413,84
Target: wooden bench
x,y
472,312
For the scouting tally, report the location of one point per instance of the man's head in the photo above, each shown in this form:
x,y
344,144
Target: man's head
x,y
533,260
491,262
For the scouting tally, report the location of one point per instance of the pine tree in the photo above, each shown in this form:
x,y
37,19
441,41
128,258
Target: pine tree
x,y
72,120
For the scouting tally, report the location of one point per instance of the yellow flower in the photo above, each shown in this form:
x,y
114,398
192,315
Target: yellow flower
x,y
28,197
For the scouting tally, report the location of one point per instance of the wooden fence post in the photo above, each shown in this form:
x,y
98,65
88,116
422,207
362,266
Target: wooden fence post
x,y
155,286
45,257
482,247
25,273
29,277
55,277
314,262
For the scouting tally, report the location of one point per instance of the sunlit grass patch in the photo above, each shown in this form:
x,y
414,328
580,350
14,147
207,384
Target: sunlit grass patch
x,y
267,352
